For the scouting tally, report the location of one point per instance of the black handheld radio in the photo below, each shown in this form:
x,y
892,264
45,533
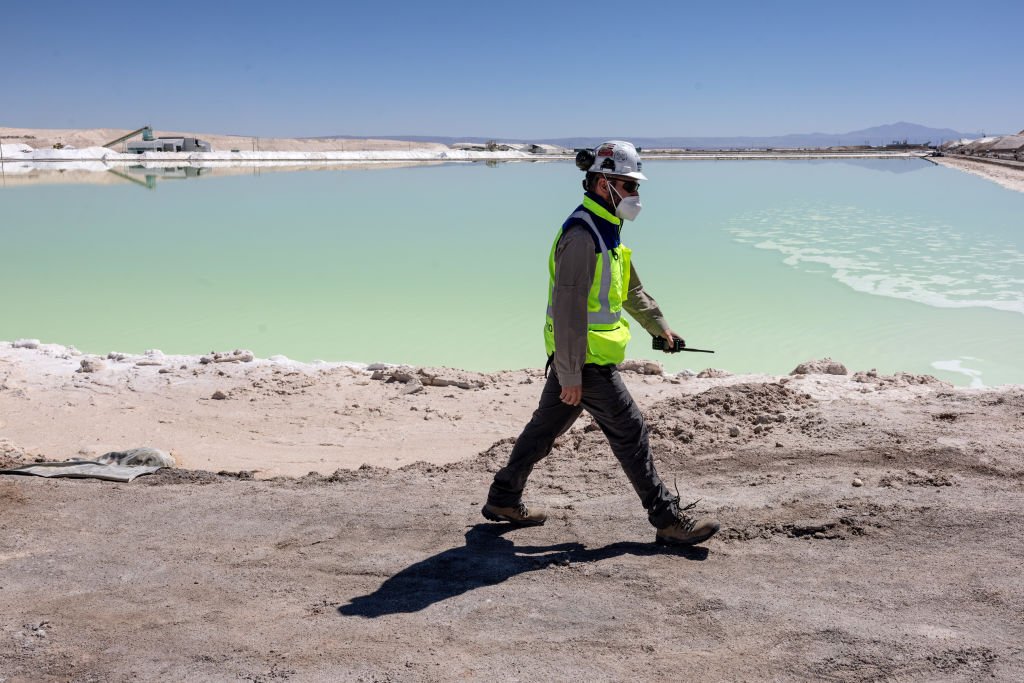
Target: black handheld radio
x,y
658,344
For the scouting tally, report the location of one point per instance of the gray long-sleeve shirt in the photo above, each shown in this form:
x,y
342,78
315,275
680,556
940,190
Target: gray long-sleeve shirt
x,y
574,273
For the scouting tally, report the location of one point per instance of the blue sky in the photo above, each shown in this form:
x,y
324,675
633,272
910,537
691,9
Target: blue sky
x,y
523,69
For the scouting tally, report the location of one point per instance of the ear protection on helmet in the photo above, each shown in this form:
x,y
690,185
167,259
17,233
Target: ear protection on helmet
x,y
585,159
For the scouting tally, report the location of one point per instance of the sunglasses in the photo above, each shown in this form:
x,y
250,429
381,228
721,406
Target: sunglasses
x,y
630,186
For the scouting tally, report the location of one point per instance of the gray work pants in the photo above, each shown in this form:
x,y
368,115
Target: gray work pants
x,y
606,398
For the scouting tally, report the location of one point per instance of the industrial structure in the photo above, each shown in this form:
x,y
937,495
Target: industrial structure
x,y
148,143
169,145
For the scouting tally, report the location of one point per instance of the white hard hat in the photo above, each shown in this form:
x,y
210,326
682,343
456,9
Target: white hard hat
x,y
619,158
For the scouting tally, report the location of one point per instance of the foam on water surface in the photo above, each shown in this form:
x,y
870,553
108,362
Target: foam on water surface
x,y
957,367
900,257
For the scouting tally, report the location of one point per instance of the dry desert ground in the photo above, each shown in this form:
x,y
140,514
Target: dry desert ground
x,y
324,524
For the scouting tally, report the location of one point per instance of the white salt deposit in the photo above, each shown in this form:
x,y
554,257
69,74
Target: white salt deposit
x,y
72,154
516,152
23,152
26,167
16,150
868,252
955,366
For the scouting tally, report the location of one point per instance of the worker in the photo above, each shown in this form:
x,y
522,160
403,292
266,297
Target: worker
x,y
591,281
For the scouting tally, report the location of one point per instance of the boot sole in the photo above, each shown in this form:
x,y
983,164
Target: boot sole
x,y
502,518
661,540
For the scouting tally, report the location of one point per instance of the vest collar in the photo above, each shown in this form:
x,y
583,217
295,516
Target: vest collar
x,y
594,205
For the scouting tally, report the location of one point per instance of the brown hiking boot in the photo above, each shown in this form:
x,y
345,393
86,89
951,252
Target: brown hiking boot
x,y
686,530
519,515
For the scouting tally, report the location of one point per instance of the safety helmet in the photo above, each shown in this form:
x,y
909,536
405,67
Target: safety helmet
x,y
615,157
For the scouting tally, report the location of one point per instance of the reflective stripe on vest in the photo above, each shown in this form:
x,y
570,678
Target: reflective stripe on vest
x,y
604,316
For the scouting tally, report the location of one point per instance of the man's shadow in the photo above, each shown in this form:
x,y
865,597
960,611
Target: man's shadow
x,y
485,560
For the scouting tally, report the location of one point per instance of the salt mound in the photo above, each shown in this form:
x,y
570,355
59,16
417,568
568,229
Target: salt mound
x,y
73,153
11,149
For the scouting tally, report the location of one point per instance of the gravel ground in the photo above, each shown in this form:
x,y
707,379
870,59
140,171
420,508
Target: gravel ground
x,y
862,540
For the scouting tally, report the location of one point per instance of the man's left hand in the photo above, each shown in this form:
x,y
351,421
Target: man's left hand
x,y
670,340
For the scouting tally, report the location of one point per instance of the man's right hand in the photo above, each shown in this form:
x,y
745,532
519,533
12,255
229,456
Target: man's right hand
x,y
572,395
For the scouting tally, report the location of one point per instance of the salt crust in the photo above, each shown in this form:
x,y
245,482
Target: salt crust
x,y
57,359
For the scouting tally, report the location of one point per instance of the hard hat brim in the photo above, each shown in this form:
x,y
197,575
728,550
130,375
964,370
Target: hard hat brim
x,y
635,175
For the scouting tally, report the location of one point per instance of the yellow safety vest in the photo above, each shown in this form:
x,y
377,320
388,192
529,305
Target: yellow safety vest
x,y
607,329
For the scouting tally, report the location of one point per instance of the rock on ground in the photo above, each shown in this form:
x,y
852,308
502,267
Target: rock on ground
x,y
825,366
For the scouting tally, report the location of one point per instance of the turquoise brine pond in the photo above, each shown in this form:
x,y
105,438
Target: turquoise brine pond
x,y
887,264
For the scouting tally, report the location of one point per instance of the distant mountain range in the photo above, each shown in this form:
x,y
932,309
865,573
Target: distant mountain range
x,y
876,136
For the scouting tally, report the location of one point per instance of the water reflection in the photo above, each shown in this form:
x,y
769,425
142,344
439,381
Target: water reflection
x,y
885,165
148,175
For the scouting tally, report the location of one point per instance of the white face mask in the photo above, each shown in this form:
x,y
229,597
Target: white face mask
x,y
628,208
